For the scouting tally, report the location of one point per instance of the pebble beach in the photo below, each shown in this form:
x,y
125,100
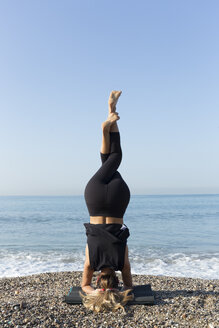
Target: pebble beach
x,y
37,301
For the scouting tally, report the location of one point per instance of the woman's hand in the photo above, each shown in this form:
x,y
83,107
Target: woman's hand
x,y
88,289
97,291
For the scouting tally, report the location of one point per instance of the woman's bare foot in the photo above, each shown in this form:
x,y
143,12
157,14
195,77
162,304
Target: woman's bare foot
x,y
113,98
112,118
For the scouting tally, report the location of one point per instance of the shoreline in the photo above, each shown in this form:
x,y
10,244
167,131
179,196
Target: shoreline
x,y
37,301
117,272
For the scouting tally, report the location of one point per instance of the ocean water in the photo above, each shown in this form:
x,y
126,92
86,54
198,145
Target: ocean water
x,y
175,235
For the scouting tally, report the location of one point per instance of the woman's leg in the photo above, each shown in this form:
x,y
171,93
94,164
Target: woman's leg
x,y
97,191
113,98
111,124
108,126
111,153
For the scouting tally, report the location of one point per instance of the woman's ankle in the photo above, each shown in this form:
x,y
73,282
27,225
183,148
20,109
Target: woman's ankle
x,y
106,126
114,127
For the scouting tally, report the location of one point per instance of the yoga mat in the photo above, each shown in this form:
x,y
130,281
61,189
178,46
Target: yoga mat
x,y
142,295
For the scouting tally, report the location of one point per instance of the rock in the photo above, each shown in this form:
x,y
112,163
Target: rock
x,y
211,325
23,305
16,306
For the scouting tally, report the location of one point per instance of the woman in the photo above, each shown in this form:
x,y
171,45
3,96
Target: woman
x,y
107,197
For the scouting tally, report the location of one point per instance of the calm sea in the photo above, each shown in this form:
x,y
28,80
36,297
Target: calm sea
x,y
174,235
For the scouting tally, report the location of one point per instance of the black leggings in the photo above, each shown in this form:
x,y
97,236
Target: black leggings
x,y
107,194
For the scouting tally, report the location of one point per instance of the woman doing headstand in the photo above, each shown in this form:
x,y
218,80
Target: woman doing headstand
x,y
107,197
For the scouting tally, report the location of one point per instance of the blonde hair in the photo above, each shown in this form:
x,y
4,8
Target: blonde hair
x,y
109,298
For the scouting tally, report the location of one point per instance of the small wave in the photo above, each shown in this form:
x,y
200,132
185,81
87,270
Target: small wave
x,y
177,265
22,263
14,264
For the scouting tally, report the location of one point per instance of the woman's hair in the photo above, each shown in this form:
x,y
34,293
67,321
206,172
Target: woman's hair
x,y
109,298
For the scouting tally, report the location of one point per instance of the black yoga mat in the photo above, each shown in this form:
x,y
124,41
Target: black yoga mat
x,y
142,295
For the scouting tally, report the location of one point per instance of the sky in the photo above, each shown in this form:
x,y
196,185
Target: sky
x,y
59,60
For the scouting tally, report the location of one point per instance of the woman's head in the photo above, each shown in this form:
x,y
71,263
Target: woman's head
x,y
107,279
108,297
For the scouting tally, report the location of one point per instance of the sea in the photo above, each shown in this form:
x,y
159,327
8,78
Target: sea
x,y
170,235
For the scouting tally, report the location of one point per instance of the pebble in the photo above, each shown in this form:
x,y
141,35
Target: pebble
x,y
37,301
23,305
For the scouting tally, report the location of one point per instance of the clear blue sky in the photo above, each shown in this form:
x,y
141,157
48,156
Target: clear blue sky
x,y
59,60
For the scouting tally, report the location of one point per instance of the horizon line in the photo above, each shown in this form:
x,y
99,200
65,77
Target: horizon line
x,y
79,195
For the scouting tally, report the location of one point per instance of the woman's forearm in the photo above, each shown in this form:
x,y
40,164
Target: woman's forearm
x,y
87,274
127,278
